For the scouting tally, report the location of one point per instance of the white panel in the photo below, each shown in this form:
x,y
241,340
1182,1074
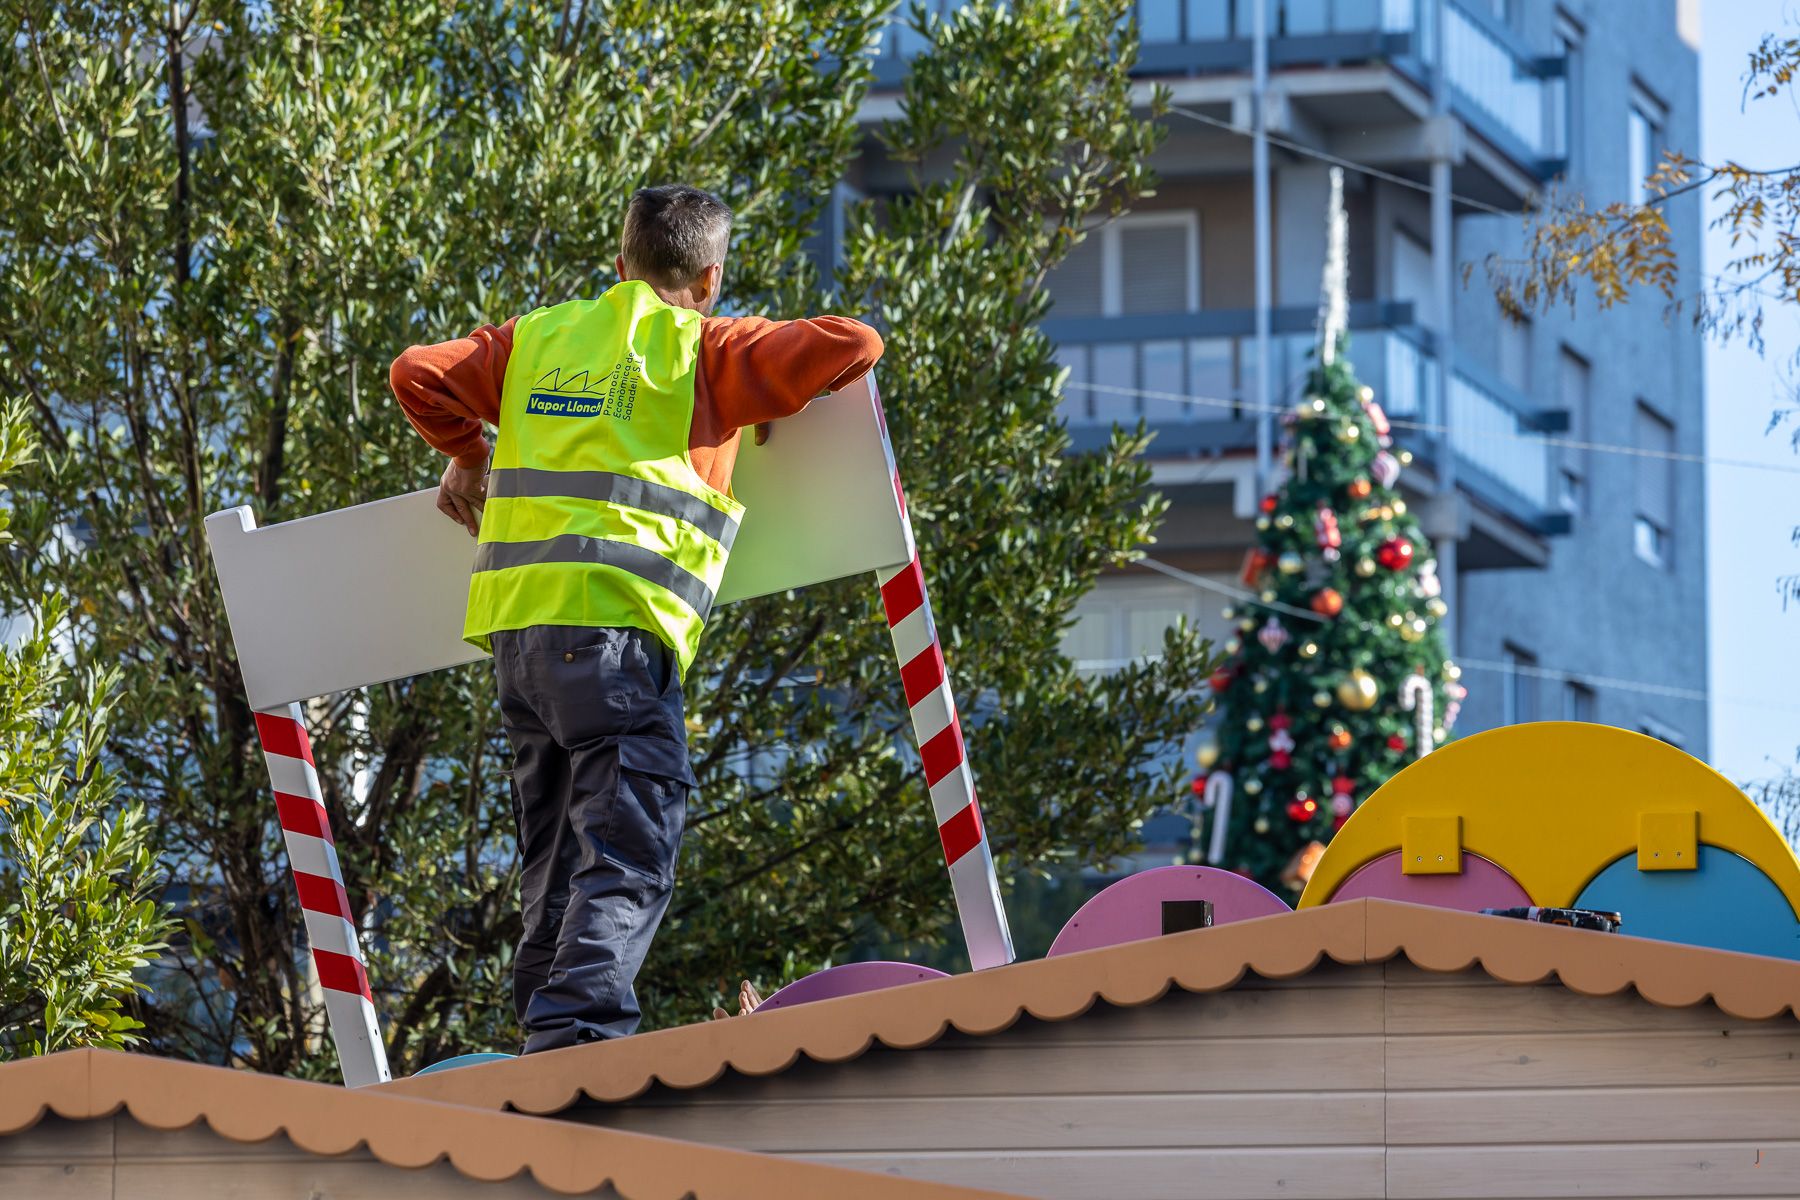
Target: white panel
x,y
377,592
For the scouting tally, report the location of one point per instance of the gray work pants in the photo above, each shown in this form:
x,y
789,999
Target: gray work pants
x,y
600,786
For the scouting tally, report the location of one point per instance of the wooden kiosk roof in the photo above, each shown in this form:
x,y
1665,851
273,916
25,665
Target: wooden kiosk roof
x,y
481,1145
1135,973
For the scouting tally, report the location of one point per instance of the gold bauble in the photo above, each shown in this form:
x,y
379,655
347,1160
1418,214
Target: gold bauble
x,y
1232,645
1268,597
1365,567
1439,734
1284,521
1405,457
1247,624
1262,524
1228,612
1348,432
1418,626
1259,685
1207,754
1399,508
1290,563
1396,620
1253,724
1358,691
1365,393
1452,672
1412,631
1262,823
1252,786
1308,649
1436,607
1317,404
1321,699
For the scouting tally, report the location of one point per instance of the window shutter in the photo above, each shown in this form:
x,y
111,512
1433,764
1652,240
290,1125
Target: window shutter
x,y
1075,284
1153,267
1655,475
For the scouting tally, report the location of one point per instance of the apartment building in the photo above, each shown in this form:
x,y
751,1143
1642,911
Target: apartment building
x,y
1574,566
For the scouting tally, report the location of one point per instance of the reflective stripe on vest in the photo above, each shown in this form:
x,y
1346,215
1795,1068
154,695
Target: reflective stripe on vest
x,y
595,516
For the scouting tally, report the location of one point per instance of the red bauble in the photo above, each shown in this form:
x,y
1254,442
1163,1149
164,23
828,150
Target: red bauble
x,y
1343,785
1220,679
1268,503
1338,822
1199,784
1281,760
1339,739
1302,810
1281,721
1360,488
1328,602
1395,554
1396,743
1256,561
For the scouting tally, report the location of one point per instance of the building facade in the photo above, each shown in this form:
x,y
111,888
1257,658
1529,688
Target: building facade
x,y
1549,455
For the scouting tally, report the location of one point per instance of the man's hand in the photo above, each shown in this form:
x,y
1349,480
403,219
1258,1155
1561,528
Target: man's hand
x,y
460,492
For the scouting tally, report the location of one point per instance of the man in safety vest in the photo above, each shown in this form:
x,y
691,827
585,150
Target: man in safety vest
x,y
605,516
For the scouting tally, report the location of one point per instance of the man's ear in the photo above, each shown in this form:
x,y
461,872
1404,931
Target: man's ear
x,y
706,288
619,266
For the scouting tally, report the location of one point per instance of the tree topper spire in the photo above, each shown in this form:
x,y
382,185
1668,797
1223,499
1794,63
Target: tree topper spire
x,y
1334,296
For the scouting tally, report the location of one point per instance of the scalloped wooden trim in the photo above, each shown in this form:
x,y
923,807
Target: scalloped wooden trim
x,y
1135,973
323,1119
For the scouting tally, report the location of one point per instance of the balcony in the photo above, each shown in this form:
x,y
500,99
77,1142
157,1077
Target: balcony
x,y
1199,372
1498,86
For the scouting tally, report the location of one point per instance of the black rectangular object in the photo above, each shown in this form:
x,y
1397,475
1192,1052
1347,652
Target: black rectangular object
x,y
1179,916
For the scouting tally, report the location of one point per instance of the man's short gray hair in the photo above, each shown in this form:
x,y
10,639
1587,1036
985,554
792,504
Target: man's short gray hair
x,y
674,232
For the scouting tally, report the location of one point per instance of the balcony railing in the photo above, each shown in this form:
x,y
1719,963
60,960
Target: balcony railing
x,y
1495,79
1191,378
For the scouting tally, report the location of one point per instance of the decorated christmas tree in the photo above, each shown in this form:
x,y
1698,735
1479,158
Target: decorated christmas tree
x,y
1339,676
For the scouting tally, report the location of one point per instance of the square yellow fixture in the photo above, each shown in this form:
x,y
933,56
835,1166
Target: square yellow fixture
x,y
1431,845
1668,841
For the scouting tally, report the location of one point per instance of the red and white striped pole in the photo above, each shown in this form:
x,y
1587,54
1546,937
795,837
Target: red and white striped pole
x,y
330,928
941,750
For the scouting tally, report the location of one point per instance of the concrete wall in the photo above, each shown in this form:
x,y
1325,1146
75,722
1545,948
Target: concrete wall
x,y
1598,609
1348,1082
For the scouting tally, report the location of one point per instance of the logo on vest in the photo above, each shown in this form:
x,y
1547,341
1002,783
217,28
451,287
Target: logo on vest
x,y
582,394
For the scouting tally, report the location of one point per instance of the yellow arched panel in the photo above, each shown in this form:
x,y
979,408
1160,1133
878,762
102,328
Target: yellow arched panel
x,y
1553,803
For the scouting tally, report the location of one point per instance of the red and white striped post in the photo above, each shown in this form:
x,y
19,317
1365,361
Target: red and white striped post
x,y
941,751
330,928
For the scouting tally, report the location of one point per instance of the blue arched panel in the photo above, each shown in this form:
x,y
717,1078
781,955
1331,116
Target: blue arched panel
x,y
1725,903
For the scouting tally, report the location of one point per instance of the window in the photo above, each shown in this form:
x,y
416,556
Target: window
x,y
1413,280
1518,686
1654,523
1643,142
1578,702
1142,263
1573,379
1123,620
1515,354
1565,91
1139,264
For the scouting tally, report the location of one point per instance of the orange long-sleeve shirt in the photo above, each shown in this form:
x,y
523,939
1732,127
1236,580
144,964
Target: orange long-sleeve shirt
x,y
751,370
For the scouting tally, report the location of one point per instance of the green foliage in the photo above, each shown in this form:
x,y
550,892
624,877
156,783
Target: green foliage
x,y
77,870
1386,628
222,234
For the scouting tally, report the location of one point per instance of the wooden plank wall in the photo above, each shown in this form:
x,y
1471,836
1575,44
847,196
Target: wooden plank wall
x,y
117,1157
1349,1082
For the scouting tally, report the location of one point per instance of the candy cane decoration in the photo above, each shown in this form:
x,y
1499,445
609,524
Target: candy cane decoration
x,y
1217,797
330,928
947,776
1416,698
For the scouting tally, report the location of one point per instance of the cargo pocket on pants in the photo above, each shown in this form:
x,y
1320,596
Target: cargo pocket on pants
x,y
650,807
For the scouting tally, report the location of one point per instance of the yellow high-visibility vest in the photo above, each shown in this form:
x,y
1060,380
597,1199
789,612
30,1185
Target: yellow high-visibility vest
x,y
595,515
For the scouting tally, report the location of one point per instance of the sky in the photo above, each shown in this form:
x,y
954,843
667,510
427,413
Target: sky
x,y
1752,514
